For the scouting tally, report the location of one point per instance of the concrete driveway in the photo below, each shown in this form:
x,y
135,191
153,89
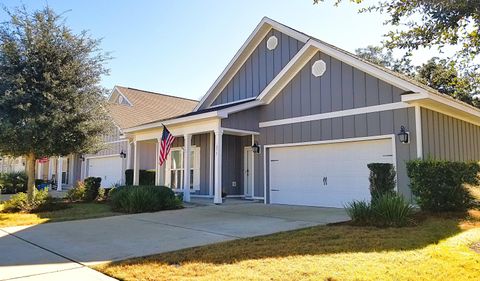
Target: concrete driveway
x,y
65,248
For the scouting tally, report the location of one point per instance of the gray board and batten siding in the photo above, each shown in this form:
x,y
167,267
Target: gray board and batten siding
x,y
341,87
259,69
447,138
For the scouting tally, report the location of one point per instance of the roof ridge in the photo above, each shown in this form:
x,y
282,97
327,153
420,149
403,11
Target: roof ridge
x,y
157,93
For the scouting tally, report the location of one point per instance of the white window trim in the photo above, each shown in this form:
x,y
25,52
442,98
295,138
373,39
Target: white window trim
x,y
196,168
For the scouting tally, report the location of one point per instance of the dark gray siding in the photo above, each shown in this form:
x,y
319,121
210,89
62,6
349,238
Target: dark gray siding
x,y
447,138
341,87
380,123
203,142
259,69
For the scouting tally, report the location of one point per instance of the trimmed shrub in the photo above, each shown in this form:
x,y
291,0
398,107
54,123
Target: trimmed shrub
x,y
359,211
145,177
11,183
77,193
440,185
92,186
391,209
138,199
18,202
382,179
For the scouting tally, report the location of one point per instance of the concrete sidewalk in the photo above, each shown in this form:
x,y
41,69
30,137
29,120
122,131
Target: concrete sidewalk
x,y
69,246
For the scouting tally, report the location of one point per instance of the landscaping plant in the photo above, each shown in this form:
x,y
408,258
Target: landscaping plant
x,y
382,179
11,183
92,187
19,203
145,177
138,199
77,193
441,185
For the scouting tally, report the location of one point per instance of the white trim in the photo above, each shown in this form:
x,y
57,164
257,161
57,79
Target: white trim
x,y
223,113
117,141
257,198
418,131
238,132
334,114
244,53
287,73
265,175
120,92
248,150
388,136
232,102
102,156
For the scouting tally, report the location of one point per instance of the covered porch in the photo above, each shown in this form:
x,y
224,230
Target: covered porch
x,y
206,160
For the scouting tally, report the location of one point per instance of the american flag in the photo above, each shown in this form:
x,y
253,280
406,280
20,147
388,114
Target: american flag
x,y
165,145
43,160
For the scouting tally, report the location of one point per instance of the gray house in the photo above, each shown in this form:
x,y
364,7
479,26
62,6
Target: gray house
x,y
294,120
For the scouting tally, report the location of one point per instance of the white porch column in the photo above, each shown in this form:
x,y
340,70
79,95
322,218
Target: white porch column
x,y
59,173
40,170
218,167
187,138
157,163
136,165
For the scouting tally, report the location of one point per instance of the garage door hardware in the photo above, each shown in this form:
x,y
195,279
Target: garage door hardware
x,y
325,181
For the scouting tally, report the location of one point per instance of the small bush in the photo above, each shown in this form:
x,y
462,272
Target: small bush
x,y
391,209
359,211
440,186
387,210
77,193
19,203
92,186
138,199
145,177
382,179
11,183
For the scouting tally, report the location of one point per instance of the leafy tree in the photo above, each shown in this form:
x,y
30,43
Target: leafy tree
x,y
50,99
429,23
437,73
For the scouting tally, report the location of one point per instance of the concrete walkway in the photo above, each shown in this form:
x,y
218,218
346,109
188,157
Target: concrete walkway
x,y
65,248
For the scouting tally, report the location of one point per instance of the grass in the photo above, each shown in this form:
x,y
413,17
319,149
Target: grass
x,y
75,211
437,248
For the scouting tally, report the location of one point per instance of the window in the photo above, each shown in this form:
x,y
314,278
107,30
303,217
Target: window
x,y
174,173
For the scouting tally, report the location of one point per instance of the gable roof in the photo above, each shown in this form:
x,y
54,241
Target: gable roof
x,y
145,107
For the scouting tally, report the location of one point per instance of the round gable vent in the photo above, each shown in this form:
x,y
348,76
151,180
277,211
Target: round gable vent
x,y
272,43
318,68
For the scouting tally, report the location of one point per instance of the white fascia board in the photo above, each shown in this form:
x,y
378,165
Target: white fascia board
x,y
335,114
244,106
212,114
255,38
287,73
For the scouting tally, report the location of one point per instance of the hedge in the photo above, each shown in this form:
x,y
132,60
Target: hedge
x,y
440,185
146,177
138,199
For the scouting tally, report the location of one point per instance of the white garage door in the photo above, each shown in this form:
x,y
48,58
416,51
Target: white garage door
x,y
107,168
328,175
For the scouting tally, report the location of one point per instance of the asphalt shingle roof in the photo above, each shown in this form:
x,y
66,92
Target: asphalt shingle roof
x,y
147,107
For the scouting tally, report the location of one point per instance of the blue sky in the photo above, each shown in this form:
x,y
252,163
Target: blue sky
x,y
180,47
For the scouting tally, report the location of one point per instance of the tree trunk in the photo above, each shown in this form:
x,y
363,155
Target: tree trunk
x,y
30,168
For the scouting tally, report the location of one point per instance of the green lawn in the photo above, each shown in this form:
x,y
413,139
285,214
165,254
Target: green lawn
x,y
437,248
75,211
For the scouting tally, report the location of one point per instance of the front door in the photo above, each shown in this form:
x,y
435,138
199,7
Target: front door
x,y
248,172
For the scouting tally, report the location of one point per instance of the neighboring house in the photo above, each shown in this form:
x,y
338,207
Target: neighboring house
x,y
11,164
294,120
127,107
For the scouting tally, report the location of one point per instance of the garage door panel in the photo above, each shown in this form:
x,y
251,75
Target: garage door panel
x,y
297,173
108,168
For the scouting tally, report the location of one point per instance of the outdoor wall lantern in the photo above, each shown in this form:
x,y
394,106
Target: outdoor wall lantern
x,y
82,157
123,154
256,148
403,136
